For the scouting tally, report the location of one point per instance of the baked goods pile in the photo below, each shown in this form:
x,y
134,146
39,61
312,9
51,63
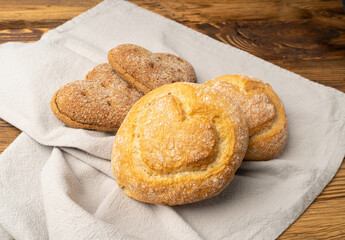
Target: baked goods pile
x,y
182,142
102,100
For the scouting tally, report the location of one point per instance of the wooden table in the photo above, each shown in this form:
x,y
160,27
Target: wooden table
x,y
305,37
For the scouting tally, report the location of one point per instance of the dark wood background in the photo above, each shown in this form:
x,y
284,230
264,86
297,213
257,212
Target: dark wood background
x,y
306,37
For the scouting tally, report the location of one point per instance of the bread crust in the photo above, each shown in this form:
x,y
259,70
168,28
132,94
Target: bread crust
x,y
103,100
100,102
180,143
146,70
264,112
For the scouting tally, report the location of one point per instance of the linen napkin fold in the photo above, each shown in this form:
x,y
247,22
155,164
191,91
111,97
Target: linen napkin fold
x,y
62,175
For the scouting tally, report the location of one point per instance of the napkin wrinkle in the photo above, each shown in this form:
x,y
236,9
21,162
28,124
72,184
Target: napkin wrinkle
x,y
77,180
115,210
21,207
161,222
71,192
101,164
4,234
85,50
170,218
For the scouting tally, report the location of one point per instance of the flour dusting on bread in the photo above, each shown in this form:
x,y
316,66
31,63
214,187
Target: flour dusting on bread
x,y
180,143
264,112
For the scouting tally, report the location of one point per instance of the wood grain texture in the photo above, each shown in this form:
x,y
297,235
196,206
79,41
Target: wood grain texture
x,y
305,36
7,134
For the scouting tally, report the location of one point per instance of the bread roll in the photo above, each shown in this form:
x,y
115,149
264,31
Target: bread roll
x,y
102,100
99,102
263,110
146,70
180,143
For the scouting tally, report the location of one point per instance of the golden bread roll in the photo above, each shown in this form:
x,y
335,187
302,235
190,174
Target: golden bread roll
x,y
263,110
180,143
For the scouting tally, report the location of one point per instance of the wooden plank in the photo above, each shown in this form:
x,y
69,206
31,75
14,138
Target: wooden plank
x,y
30,11
329,72
197,11
276,40
322,220
8,134
21,34
335,189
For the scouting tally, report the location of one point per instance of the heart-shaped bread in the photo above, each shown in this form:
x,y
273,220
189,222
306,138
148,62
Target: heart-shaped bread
x,y
100,102
146,70
171,142
263,110
180,143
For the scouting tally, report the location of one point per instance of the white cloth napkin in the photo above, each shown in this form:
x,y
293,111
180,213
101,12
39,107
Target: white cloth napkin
x,y
56,181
